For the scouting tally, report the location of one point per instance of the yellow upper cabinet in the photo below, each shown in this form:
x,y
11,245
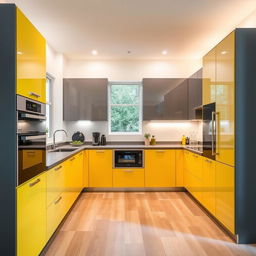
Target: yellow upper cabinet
x,y
209,62
100,168
225,195
160,168
31,216
225,103
31,60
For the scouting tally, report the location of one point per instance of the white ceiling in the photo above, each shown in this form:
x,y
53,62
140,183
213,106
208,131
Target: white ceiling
x,y
185,28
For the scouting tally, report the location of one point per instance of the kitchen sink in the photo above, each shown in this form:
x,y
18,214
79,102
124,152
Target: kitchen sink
x,y
63,150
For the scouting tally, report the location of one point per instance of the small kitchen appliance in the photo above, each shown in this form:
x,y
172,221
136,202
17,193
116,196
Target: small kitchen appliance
x,y
95,138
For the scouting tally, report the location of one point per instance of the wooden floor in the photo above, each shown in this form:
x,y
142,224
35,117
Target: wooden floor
x,y
137,224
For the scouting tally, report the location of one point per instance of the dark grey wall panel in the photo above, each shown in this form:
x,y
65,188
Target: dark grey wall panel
x,y
194,93
85,99
8,128
245,135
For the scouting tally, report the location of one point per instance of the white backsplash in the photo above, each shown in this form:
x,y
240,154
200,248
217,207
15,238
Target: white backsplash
x,y
163,131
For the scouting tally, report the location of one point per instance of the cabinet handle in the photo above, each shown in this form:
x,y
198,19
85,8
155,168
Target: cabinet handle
x,y
128,170
100,151
160,151
35,94
31,152
195,156
208,161
34,183
57,201
72,159
80,153
57,168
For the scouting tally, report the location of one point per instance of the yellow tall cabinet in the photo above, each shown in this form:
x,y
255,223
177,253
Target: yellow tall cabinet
x,y
209,77
31,216
225,102
159,168
31,60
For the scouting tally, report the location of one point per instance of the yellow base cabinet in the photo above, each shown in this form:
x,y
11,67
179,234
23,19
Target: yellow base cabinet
x,y
86,169
159,168
208,192
31,216
31,60
179,166
55,213
100,168
193,168
225,195
55,182
128,177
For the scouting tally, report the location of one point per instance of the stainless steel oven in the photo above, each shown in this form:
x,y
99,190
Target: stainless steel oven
x,y
31,136
128,158
209,131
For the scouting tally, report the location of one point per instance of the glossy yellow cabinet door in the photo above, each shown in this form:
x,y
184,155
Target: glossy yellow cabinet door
x,y
31,216
100,168
86,169
55,182
31,60
179,166
128,178
225,195
225,102
79,171
209,77
160,168
208,193
55,213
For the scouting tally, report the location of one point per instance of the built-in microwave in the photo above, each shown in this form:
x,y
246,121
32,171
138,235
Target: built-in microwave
x,y
128,158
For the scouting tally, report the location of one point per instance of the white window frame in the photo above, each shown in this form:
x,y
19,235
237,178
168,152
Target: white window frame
x,y
109,107
49,103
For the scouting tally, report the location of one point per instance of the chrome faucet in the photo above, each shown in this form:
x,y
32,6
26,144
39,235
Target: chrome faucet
x,y
60,130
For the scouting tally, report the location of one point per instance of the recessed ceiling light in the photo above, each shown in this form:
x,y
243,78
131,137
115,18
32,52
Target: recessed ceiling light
x,y
224,52
94,52
19,53
164,52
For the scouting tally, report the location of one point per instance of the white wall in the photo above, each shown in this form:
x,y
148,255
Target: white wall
x,y
54,66
127,70
164,131
134,71
249,22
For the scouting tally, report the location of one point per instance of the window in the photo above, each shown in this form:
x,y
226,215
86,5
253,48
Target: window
x,y
49,89
125,110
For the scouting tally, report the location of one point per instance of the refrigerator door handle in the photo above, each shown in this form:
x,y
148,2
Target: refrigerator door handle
x,y
213,132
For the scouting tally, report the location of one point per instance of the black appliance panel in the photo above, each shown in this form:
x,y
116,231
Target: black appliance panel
x,y
209,131
128,158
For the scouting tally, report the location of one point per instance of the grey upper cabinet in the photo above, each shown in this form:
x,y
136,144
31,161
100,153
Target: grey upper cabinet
x,y
155,91
85,99
177,102
194,93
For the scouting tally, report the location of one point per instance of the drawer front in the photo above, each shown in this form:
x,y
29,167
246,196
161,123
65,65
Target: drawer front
x,y
128,177
55,213
31,216
55,182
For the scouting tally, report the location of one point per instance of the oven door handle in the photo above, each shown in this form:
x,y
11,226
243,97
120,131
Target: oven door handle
x,y
36,137
31,116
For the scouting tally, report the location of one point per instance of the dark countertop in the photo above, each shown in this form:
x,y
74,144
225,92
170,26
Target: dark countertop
x,y
55,158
